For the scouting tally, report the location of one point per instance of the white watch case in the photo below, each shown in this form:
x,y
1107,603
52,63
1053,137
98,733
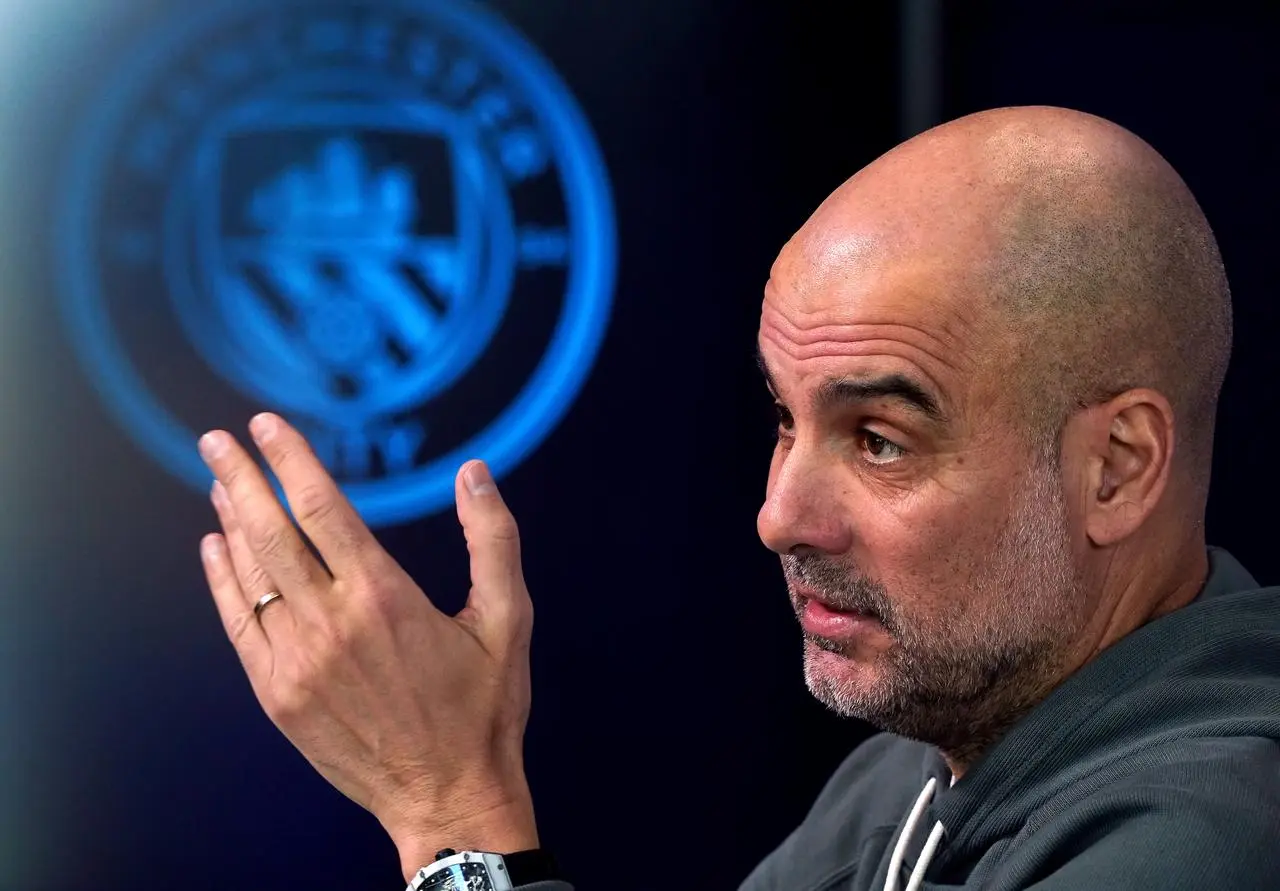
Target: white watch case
x,y
465,871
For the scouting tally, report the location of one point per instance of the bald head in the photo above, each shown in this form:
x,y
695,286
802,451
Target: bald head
x,y
996,355
1075,249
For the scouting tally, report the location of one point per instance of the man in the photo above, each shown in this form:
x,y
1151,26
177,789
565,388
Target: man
x,y
996,354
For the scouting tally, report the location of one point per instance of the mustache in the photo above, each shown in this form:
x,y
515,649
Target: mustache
x,y
841,587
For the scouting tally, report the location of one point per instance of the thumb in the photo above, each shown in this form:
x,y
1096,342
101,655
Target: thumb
x,y
498,592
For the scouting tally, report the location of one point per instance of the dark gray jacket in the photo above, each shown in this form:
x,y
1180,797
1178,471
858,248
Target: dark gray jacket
x,y
1157,765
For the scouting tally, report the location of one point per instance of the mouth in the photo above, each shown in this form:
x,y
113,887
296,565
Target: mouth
x,y
823,619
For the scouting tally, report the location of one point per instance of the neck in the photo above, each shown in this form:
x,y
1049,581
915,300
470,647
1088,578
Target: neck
x,y
1164,581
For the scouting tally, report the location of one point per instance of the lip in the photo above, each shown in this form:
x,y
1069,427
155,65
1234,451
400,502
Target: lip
x,y
822,620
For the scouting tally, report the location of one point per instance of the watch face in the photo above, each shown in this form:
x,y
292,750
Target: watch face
x,y
461,877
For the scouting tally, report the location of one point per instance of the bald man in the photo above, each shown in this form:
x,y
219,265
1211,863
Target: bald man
x,y
996,354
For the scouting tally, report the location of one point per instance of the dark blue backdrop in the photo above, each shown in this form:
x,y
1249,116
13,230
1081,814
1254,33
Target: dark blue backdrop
x,y
670,717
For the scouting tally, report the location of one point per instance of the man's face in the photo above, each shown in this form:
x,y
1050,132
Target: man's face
x,y
926,543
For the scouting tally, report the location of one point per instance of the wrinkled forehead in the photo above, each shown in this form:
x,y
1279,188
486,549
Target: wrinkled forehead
x,y
862,296
851,276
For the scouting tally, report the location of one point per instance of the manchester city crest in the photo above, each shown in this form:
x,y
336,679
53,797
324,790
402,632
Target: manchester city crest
x,y
388,221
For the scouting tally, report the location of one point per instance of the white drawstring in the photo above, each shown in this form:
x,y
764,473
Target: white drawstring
x,y
904,839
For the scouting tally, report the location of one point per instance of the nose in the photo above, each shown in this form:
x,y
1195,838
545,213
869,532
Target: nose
x,y
804,507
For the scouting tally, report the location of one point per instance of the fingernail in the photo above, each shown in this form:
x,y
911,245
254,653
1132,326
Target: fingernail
x,y
478,480
211,547
213,445
263,427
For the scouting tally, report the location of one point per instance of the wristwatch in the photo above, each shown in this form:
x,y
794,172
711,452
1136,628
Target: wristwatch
x,y
484,871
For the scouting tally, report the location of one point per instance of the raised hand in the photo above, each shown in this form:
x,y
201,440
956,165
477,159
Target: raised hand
x,y
417,716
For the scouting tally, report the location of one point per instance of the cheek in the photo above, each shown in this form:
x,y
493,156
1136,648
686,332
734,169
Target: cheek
x,y
928,547
1080,483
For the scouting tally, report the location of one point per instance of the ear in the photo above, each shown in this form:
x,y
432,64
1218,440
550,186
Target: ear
x,y
1129,450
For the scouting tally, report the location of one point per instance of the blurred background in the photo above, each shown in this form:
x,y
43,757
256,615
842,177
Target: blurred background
x,y
586,197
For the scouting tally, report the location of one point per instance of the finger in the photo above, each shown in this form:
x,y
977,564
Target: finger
x,y
242,629
322,511
253,582
275,544
498,591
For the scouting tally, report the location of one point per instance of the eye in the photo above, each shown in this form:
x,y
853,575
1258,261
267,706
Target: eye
x,y
878,449
785,421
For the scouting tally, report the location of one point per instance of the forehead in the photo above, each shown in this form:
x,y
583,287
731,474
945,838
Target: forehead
x,y
859,305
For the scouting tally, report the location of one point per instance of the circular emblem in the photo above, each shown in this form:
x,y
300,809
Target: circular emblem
x,y
389,222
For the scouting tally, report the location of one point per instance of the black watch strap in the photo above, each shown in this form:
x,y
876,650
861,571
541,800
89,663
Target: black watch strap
x,y
534,865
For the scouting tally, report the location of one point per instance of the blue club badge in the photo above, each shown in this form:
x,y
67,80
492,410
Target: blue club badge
x,y
390,223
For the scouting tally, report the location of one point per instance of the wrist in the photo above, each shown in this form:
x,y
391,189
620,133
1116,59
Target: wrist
x,y
503,829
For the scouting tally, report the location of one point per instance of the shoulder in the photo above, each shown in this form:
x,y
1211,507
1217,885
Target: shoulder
x,y
1233,782
853,817
1238,775
1201,813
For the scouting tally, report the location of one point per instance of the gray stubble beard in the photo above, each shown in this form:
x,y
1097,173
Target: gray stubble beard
x,y
960,681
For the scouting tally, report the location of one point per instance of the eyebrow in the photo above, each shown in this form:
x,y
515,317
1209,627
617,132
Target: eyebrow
x,y
896,386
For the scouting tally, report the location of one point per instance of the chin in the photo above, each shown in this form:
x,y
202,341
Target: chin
x,y
846,684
